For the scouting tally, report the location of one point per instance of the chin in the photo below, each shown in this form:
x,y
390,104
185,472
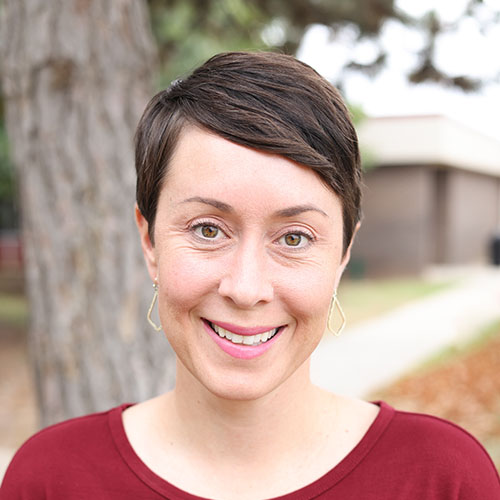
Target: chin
x,y
240,392
249,386
249,392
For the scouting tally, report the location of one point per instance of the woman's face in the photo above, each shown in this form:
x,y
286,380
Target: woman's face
x,y
248,245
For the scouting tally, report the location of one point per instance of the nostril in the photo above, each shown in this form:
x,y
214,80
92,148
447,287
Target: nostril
x,y
246,292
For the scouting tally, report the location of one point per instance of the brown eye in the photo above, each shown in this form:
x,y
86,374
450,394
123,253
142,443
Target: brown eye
x,y
293,240
209,231
206,231
298,240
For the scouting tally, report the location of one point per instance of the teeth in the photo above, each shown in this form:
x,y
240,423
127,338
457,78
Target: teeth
x,y
244,339
237,339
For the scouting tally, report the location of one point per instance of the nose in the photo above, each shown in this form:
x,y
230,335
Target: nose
x,y
246,280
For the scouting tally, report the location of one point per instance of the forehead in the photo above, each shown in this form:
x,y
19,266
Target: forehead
x,y
203,161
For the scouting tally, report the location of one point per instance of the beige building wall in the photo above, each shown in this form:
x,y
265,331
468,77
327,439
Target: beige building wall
x,y
396,234
416,216
472,211
433,199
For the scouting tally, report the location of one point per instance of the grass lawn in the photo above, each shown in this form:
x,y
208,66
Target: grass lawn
x,y
364,299
13,311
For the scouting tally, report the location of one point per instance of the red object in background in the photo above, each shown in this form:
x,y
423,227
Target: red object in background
x,y
11,254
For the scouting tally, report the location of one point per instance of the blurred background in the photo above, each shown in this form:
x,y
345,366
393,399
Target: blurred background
x,y
422,292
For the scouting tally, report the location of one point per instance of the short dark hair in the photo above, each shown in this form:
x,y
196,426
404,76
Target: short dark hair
x,y
266,101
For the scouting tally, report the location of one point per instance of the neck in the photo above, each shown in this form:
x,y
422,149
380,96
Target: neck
x,y
247,431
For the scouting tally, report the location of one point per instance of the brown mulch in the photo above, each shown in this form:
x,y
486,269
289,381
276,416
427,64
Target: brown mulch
x,y
463,388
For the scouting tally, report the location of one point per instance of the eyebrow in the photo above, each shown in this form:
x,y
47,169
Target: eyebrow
x,y
299,209
220,205
285,212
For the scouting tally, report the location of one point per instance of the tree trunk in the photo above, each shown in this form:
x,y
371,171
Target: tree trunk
x,y
76,76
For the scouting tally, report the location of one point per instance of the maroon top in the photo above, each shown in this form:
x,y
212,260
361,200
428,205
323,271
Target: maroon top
x,y
402,456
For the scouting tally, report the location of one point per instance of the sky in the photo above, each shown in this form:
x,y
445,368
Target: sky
x,y
389,94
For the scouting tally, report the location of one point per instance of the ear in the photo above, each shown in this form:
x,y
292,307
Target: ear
x,y
147,247
346,257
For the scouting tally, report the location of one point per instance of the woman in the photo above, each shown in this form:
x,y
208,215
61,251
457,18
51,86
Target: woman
x,y
248,200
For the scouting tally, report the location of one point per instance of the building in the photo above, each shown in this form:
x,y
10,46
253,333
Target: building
x,y
433,197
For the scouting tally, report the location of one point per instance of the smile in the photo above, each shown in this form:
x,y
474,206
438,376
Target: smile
x,y
235,338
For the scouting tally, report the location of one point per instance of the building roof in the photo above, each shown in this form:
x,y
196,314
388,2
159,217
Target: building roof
x,y
429,139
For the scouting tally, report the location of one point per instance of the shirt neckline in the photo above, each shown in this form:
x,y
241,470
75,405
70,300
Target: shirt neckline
x,y
320,485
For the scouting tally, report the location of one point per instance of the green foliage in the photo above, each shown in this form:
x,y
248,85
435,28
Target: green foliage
x,y
357,113
7,184
190,31
368,158
8,188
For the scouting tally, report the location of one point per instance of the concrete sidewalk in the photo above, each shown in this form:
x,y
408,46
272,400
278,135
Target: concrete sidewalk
x,y
374,353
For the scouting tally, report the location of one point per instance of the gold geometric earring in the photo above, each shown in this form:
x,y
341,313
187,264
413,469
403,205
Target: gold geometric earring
x,y
335,304
150,310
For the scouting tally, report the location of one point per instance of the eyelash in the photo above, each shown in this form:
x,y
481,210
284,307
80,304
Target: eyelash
x,y
300,232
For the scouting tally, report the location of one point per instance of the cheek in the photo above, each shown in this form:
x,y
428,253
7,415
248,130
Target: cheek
x,y
308,294
184,280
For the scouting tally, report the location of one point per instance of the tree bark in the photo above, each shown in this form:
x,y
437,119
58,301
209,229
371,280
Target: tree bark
x,y
76,75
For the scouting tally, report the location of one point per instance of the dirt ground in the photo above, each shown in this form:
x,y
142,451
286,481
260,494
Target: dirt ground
x,y
17,409
463,388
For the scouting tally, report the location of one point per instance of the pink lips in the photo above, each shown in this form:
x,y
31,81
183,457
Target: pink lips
x,y
243,331
242,351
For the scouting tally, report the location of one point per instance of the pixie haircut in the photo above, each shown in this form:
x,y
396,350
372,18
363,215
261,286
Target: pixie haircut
x,y
263,100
